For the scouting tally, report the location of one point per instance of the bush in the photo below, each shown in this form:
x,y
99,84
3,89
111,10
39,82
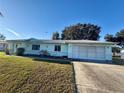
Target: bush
x,y
116,49
44,53
7,52
20,51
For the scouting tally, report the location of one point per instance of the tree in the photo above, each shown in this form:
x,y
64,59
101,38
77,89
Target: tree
x,y
109,37
81,31
2,37
120,34
119,38
55,36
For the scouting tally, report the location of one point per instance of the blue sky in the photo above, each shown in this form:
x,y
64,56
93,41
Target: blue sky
x,y
40,18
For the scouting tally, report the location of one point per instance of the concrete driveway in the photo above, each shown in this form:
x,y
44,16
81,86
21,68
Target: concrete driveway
x,y
99,78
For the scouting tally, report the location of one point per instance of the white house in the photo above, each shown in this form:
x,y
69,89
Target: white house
x,y
77,49
3,45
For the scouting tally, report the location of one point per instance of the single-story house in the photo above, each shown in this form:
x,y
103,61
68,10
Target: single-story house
x,y
3,45
76,49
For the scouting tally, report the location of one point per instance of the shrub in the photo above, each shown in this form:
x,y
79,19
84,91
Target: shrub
x,y
7,52
44,53
20,51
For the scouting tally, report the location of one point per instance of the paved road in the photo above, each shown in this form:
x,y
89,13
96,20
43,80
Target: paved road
x,y
99,78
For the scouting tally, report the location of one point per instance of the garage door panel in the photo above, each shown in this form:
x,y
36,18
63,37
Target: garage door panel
x,y
82,52
91,52
100,52
75,51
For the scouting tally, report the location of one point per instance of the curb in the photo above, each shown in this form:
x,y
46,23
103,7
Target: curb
x,y
74,87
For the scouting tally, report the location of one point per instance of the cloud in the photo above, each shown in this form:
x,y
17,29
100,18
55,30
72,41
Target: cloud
x,y
13,32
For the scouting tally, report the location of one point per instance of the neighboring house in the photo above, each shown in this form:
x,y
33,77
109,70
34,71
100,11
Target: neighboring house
x,y
3,45
77,49
122,53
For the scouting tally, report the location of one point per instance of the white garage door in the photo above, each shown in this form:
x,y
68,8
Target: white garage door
x,y
82,52
100,52
88,52
91,52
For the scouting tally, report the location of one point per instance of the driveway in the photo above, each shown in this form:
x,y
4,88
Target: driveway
x,y
99,78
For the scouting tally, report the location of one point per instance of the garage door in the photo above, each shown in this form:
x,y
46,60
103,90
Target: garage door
x,y
100,52
91,52
88,52
82,52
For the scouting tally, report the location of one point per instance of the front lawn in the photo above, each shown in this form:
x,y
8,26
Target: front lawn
x,y
25,75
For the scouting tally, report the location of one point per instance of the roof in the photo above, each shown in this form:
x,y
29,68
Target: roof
x,y
2,41
61,41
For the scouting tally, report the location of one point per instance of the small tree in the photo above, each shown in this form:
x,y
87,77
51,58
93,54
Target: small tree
x,y
55,36
2,37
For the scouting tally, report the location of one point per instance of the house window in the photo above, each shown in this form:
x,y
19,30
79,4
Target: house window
x,y
35,47
57,48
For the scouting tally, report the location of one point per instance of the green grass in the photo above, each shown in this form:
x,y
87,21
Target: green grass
x,y
24,75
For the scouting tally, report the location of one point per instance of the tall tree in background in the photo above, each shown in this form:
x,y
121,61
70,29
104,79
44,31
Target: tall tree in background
x,y
55,36
120,34
2,37
118,37
109,37
81,31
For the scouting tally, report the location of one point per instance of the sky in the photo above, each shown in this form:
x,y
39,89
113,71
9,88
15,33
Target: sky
x,y
25,19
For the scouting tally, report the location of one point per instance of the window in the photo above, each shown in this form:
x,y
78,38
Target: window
x,y
35,47
57,48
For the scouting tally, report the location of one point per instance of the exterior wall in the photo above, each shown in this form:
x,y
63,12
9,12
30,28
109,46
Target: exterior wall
x,y
11,47
48,47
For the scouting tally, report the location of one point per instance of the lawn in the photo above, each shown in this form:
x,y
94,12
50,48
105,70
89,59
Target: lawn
x,y
24,75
